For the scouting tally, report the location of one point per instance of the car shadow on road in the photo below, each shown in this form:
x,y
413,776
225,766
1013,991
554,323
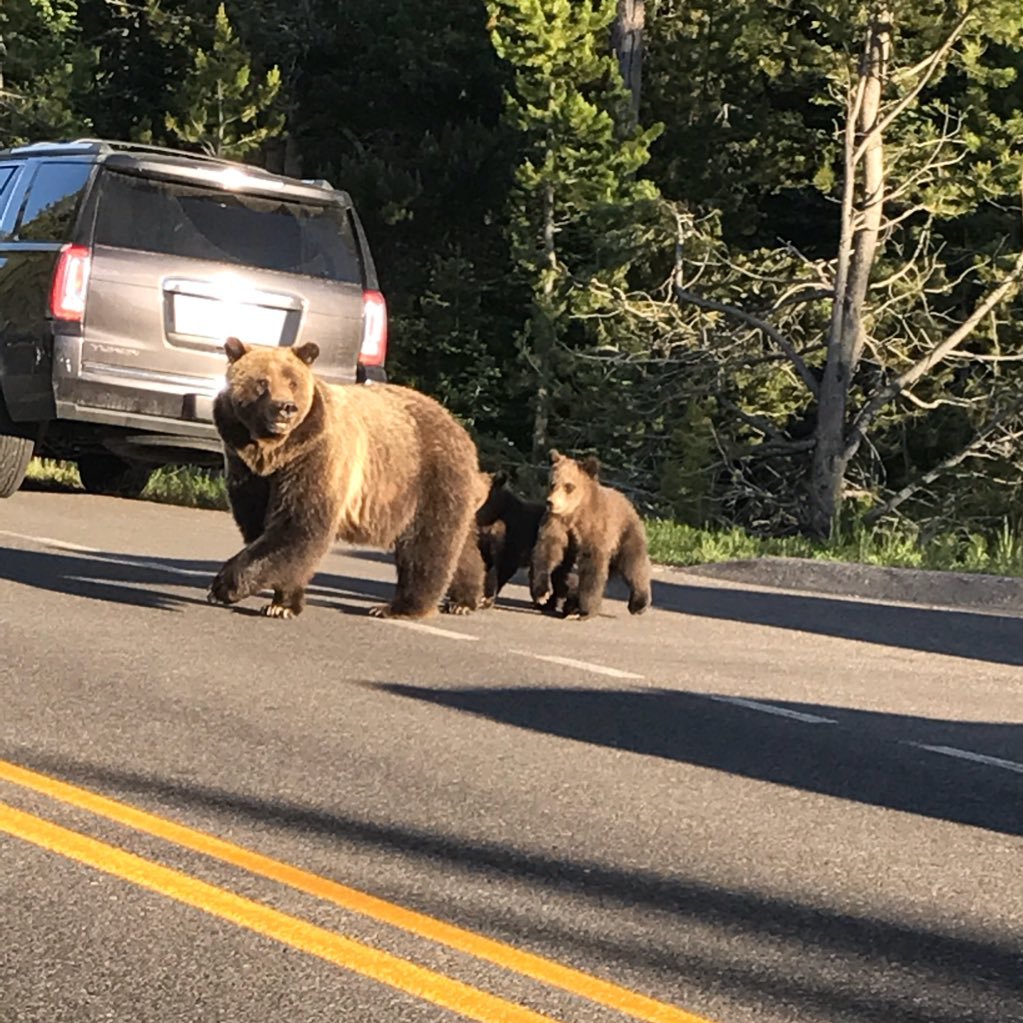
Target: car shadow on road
x,y
872,758
977,636
858,947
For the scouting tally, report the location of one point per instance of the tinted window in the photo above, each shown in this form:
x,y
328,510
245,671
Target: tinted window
x,y
6,184
6,191
52,203
198,223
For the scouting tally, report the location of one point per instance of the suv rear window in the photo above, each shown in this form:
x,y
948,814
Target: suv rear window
x,y
52,203
228,227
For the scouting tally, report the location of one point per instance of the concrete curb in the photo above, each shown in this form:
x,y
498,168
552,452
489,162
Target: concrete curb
x,y
843,579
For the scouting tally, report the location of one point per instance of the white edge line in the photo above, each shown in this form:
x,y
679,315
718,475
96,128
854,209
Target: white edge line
x,y
51,542
128,562
432,630
571,662
767,708
965,754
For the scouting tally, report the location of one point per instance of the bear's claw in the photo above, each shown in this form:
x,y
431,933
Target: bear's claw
x,y
277,611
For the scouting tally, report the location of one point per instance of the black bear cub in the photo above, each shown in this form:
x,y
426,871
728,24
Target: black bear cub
x,y
508,528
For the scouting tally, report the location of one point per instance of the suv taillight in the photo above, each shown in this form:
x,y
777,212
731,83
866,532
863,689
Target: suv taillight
x,y
373,350
70,279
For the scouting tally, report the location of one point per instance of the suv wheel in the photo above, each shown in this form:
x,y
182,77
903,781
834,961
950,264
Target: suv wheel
x,y
15,454
116,477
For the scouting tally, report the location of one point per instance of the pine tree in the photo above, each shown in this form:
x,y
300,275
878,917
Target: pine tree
x,y
576,180
224,110
44,70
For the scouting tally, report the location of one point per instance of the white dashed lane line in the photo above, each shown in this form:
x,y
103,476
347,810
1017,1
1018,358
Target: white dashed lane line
x,y
571,662
965,754
768,708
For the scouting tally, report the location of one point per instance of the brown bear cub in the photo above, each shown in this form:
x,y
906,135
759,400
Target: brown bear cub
x,y
308,463
508,528
603,531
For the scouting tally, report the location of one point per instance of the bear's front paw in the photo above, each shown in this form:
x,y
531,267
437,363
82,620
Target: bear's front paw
x,y
224,588
540,590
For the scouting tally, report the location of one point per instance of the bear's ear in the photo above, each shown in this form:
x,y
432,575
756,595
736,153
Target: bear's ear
x,y
556,455
234,348
590,465
498,480
307,352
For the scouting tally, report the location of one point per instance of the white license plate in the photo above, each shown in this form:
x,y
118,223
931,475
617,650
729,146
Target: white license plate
x,y
217,320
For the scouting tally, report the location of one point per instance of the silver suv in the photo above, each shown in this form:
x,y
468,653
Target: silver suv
x,y
123,268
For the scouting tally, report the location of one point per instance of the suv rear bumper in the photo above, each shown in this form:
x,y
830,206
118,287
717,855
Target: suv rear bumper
x,y
122,397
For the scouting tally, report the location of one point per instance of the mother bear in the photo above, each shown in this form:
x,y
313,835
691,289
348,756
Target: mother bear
x,y
308,463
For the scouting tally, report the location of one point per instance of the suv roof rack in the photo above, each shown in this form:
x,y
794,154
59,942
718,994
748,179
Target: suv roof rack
x,y
141,150
116,145
96,145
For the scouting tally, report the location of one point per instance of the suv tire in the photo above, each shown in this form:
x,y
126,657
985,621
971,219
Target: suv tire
x,y
15,454
113,476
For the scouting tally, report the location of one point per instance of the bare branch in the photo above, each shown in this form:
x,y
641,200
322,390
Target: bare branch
x,y
683,296
971,449
974,357
1009,286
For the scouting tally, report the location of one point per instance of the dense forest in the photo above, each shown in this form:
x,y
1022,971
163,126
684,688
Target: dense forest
x,y
765,259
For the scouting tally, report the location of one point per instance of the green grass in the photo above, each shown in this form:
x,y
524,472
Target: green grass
x,y
193,488
671,543
189,487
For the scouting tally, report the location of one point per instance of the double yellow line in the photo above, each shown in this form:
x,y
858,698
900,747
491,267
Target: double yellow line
x,y
352,955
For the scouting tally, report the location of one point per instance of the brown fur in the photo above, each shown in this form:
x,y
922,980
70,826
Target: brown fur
x,y
602,527
308,463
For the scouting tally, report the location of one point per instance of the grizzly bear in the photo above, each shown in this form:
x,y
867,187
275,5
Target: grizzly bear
x,y
308,463
508,527
602,530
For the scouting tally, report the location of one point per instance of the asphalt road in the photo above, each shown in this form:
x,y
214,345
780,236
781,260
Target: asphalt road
x,y
748,806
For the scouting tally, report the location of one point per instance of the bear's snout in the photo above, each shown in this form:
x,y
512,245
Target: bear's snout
x,y
280,415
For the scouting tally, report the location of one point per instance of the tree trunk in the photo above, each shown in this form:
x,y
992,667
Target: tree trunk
x,y
292,156
542,329
627,43
862,207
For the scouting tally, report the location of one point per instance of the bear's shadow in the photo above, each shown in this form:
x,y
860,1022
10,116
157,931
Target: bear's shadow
x,y
152,582
104,576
